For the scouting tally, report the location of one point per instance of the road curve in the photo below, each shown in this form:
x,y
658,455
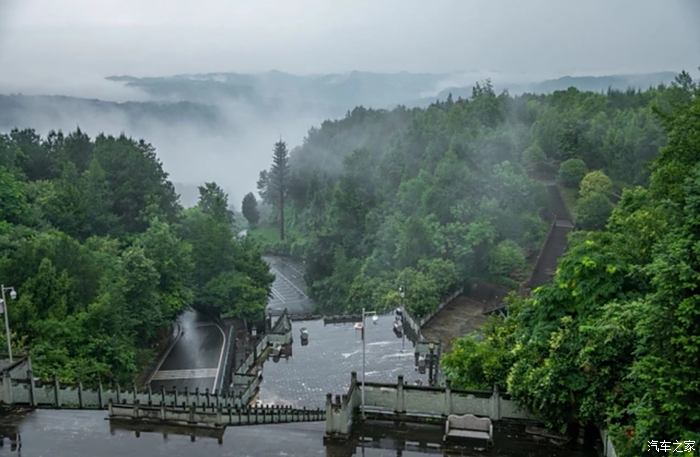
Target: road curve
x,y
195,360
289,288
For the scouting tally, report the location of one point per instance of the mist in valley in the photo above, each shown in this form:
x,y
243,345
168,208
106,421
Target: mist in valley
x,y
196,82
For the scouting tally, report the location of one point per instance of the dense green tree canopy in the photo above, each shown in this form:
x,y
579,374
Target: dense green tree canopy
x,y
103,258
377,192
571,172
614,340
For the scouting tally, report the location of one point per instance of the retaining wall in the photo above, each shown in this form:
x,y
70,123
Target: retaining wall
x,y
413,403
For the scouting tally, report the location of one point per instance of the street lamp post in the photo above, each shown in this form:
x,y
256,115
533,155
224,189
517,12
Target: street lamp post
x,y
13,295
402,293
364,314
431,346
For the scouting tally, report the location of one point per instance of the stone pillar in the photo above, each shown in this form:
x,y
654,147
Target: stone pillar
x,y
118,394
193,409
150,395
448,399
99,394
400,407
80,395
495,404
56,392
32,387
330,423
162,395
135,393
135,411
109,407
162,411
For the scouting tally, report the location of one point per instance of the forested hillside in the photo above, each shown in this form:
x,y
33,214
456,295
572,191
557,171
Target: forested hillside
x,y
615,339
430,199
103,258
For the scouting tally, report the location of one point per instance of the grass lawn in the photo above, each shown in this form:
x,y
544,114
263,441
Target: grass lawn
x,y
266,235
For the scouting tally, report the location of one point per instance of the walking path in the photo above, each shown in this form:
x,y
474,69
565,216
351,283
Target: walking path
x,y
468,311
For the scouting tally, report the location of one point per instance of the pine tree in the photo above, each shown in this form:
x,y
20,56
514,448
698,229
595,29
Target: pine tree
x,y
277,185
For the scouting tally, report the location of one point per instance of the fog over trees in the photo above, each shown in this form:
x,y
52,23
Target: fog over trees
x,y
400,152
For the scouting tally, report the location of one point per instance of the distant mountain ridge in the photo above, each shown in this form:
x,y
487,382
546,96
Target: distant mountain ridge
x,y
210,99
58,111
343,91
583,83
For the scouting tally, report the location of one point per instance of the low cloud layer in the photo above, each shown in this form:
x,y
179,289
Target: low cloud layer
x,y
69,47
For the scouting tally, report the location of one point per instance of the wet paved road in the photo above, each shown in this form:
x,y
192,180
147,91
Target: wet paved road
x,y
324,365
194,361
288,290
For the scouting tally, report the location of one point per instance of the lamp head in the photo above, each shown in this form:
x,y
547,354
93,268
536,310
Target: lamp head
x,y
13,294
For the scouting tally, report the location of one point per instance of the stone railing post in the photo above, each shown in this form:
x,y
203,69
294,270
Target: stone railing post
x,y
135,393
330,423
162,395
32,387
150,395
80,395
193,410
495,403
162,411
400,396
56,392
119,394
99,394
448,399
109,407
135,411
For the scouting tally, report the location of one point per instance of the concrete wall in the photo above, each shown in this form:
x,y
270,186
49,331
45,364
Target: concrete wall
x,y
410,324
444,303
406,402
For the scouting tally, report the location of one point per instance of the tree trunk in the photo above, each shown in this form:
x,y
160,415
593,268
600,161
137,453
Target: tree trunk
x,y
282,215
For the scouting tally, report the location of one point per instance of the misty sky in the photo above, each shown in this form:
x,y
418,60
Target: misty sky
x,y
48,43
68,46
